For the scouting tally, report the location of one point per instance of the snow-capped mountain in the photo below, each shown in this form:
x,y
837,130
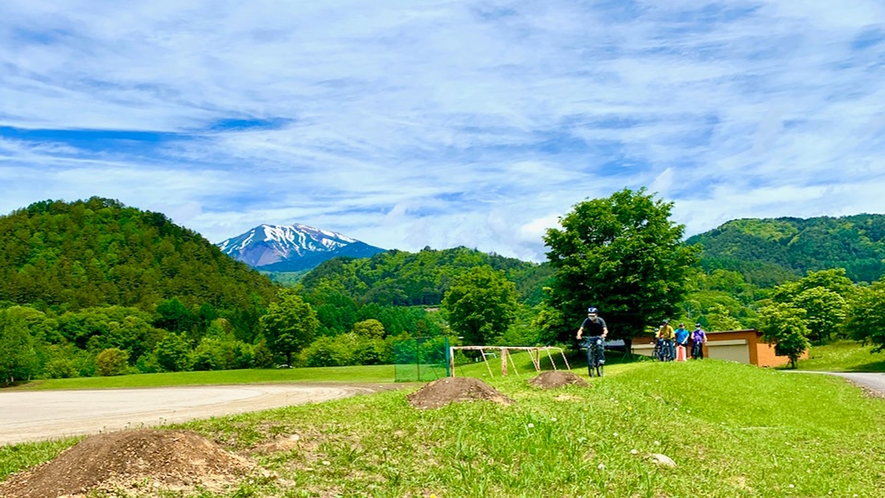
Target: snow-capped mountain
x,y
292,247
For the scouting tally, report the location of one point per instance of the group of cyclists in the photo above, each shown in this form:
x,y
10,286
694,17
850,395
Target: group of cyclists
x,y
667,340
591,335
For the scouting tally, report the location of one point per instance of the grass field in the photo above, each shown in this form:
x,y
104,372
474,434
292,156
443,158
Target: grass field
x,y
374,374
732,429
844,356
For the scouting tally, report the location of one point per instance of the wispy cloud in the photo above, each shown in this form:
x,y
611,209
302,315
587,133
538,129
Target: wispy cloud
x,y
443,123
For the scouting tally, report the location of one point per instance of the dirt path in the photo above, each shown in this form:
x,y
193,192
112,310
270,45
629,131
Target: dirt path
x,y
38,415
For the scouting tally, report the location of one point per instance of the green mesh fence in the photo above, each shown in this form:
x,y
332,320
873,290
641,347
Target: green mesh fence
x,y
421,359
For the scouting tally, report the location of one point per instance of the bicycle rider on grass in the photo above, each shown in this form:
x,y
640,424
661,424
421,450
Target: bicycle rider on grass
x,y
596,331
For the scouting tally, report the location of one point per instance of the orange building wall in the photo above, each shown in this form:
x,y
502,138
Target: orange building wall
x,y
761,353
767,358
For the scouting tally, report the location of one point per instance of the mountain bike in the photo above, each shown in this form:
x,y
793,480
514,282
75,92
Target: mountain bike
x,y
595,355
663,351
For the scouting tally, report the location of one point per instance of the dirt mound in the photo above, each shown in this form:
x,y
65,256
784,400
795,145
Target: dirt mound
x,y
550,380
453,389
151,460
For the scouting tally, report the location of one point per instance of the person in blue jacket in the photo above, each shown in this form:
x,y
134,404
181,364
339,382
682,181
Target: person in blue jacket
x,y
682,339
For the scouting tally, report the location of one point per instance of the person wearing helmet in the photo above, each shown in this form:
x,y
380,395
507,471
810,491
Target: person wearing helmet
x,y
665,336
681,342
698,338
595,330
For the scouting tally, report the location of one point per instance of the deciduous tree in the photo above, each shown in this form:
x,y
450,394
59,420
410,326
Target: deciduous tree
x,y
784,325
290,324
866,315
111,361
623,255
17,355
481,304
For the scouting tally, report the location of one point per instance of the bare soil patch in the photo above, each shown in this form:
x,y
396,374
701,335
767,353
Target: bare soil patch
x,y
554,379
141,462
455,389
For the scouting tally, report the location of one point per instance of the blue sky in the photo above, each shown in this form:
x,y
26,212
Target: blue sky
x,y
413,123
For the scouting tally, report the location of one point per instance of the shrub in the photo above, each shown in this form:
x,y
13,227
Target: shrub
x,y
111,361
330,351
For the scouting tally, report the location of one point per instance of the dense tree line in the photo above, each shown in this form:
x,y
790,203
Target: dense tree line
x,y
400,278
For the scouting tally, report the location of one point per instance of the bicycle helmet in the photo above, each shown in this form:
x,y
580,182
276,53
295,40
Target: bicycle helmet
x,y
665,321
592,310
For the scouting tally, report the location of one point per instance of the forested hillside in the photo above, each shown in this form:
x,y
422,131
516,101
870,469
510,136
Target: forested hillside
x,y
400,278
771,251
94,287
70,256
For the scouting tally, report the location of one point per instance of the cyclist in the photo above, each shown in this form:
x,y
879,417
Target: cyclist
x,y
596,331
681,342
665,336
698,338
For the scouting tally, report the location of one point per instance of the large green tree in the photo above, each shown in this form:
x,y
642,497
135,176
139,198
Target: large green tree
x,y
623,255
481,304
866,315
290,324
18,357
784,325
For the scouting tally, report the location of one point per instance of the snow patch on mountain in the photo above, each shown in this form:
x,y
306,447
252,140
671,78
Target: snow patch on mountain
x,y
269,244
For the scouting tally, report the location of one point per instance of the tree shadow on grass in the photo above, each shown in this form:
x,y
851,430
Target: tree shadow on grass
x,y
872,366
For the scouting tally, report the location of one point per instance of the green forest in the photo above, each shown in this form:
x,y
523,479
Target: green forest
x,y
94,287
772,251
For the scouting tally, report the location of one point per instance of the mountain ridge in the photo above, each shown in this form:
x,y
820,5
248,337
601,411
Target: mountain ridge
x,y
769,251
295,247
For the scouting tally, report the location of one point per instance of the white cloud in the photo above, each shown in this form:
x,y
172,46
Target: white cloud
x,y
440,123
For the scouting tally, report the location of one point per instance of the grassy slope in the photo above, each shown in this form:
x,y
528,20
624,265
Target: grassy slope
x,y
734,430
844,356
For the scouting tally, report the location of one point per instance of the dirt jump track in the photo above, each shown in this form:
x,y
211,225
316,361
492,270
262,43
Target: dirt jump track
x,y
39,415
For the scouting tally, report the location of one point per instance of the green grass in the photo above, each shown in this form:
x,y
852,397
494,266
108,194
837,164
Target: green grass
x,y
734,430
844,356
373,374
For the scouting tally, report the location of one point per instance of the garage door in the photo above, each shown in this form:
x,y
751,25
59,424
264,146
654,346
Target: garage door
x,y
735,350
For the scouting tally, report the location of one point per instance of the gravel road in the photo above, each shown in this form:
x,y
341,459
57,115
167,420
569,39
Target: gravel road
x,y
873,380
39,415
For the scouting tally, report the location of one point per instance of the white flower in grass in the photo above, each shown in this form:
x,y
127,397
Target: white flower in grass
x,y
326,462
791,486
531,425
553,419
657,443
601,466
615,434
634,452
